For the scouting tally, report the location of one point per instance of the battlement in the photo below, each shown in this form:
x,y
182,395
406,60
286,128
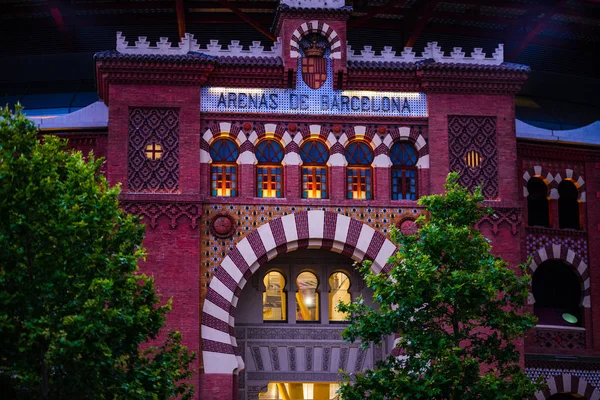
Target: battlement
x,y
188,45
431,51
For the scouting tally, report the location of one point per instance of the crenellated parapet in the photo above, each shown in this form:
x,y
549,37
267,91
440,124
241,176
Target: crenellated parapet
x,y
431,51
190,45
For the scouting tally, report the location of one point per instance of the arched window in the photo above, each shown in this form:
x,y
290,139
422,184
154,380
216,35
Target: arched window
x,y
314,156
557,293
404,171
269,177
307,297
340,286
538,213
274,304
223,169
359,175
568,205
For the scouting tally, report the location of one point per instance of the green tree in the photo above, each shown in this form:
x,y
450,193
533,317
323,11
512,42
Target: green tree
x,y
75,315
457,307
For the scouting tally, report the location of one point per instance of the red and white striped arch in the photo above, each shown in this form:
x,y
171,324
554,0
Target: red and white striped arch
x,y
302,230
567,383
316,27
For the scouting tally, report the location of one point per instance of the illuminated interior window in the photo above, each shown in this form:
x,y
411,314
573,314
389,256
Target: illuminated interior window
x,y
154,151
307,298
314,156
538,213
404,171
223,169
269,176
274,305
340,285
300,391
359,177
568,205
473,159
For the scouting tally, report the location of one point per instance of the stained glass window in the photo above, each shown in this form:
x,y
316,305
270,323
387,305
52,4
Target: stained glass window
x,y
340,285
404,171
307,297
314,156
359,179
269,176
274,301
223,169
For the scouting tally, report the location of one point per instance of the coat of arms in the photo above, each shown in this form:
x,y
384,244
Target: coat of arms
x,y
314,66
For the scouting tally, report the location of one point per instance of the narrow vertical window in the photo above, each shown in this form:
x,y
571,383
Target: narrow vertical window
x,y
538,213
404,171
340,285
568,205
269,176
223,169
359,175
314,156
307,297
274,304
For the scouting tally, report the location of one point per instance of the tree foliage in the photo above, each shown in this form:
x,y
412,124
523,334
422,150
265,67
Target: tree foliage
x,y
75,315
457,308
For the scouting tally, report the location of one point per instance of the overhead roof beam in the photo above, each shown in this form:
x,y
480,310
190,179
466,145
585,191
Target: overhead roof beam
x,y
534,32
247,19
57,15
180,10
378,10
427,13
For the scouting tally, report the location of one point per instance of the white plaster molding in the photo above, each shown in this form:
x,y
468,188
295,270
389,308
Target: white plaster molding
x,y
188,44
432,50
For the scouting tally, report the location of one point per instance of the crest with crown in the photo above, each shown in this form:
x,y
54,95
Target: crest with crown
x,y
313,49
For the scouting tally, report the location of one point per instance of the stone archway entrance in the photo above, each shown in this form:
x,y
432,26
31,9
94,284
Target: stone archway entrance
x,y
303,230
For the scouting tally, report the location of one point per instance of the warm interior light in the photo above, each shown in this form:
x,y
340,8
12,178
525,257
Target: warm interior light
x,y
314,194
359,195
223,192
269,193
308,301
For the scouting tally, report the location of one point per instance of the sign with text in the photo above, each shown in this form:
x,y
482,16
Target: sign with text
x,y
322,101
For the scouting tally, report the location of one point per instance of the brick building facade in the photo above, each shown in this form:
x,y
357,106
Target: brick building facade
x,y
247,162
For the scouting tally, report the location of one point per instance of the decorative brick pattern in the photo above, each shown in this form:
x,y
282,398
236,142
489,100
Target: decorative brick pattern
x,y
159,126
534,242
173,212
508,216
562,339
474,133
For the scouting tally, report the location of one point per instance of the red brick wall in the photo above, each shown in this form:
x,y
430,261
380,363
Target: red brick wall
x,y
187,99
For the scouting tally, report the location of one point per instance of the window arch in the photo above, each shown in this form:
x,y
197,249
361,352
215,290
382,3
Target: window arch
x,y
339,283
223,169
269,176
404,171
307,297
568,205
557,293
538,213
359,175
314,155
274,297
